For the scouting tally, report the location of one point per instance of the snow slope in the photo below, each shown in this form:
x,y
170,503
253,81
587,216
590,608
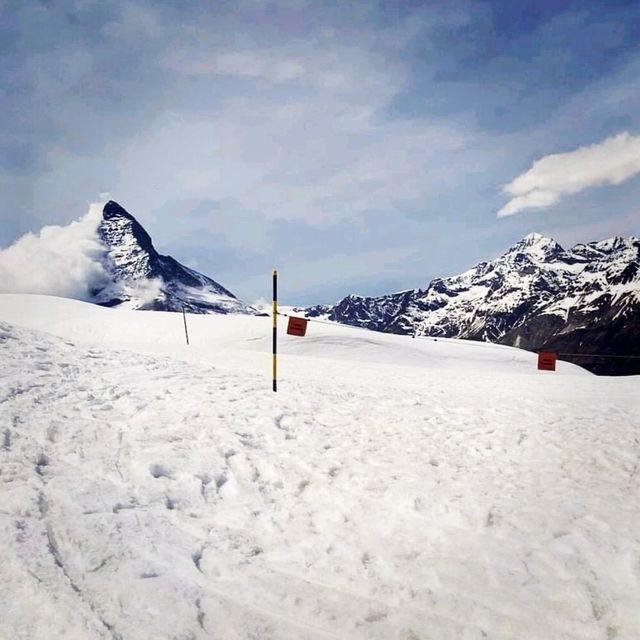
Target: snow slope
x,y
393,488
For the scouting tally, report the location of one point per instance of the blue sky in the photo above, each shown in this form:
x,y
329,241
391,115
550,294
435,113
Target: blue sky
x,y
358,146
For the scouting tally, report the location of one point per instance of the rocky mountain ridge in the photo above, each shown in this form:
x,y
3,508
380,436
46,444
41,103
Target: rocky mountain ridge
x,y
138,277
537,295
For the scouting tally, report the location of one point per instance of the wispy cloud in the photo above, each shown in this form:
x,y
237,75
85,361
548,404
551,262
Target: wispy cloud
x,y
609,162
241,63
298,130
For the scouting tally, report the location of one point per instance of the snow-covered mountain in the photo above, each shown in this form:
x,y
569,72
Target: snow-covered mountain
x,y
537,295
138,277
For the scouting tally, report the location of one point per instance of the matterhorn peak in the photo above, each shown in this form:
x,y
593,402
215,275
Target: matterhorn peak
x,y
141,278
112,209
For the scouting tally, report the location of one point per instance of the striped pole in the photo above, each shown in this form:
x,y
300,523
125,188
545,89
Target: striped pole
x,y
274,313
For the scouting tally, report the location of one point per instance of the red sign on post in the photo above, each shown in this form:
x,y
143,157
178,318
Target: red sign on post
x,y
547,360
297,327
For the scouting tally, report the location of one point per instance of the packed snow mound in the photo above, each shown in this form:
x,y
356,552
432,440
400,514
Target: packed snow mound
x,y
108,258
393,488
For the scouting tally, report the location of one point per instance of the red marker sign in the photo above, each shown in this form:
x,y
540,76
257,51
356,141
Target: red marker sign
x,y
297,327
547,360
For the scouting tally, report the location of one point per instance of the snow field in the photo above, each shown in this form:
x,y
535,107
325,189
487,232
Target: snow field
x,y
393,488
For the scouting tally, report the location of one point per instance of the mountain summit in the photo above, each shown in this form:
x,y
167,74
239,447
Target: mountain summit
x,y
140,278
537,295
537,246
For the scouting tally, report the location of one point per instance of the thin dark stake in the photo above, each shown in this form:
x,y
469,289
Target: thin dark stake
x,y
184,317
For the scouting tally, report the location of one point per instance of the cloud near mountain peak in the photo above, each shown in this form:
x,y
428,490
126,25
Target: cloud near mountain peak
x,y
58,260
552,177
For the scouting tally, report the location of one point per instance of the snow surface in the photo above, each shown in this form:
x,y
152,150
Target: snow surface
x,y
393,487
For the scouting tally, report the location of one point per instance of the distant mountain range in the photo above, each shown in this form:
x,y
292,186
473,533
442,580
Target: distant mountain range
x,y
585,300
138,277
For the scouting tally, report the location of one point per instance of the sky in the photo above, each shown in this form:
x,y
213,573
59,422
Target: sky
x,y
359,147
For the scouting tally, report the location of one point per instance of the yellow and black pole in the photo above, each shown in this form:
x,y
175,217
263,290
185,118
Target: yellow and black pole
x,y
274,313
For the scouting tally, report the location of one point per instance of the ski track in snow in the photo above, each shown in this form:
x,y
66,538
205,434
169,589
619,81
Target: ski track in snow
x,y
147,497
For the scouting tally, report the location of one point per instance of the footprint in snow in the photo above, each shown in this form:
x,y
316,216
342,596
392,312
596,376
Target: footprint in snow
x,y
376,616
42,461
159,471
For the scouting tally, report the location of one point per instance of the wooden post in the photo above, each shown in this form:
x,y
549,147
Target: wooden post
x,y
274,313
184,317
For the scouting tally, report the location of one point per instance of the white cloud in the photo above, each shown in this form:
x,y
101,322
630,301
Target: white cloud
x,y
609,162
61,261
142,291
